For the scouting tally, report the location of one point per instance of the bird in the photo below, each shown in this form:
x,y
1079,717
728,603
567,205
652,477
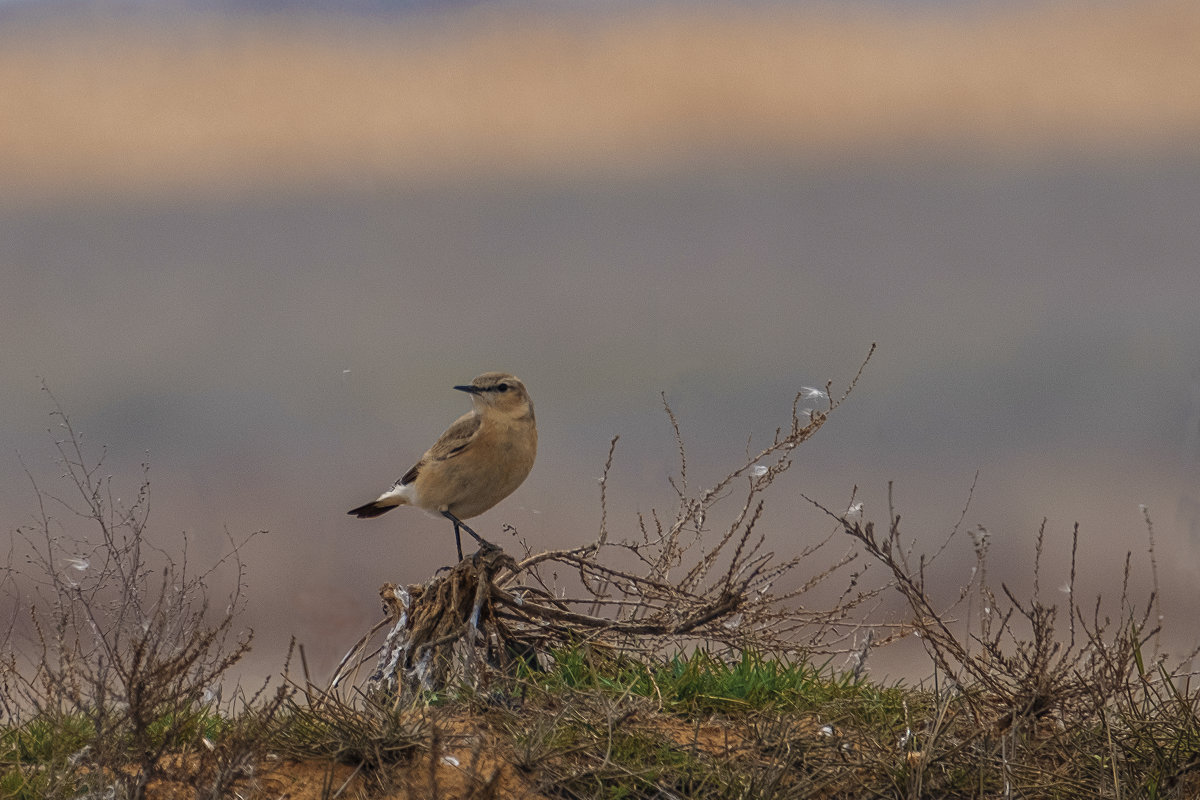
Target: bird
x,y
478,461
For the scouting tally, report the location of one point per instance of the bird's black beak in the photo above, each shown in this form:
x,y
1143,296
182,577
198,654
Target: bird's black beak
x,y
469,389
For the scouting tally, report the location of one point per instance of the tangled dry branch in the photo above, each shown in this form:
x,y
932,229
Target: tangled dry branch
x,y
670,584
1019,666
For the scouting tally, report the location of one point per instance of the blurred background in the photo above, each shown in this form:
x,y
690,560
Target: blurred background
x,y
256,243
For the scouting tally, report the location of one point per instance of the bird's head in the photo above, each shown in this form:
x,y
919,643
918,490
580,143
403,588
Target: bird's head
x,y
499,392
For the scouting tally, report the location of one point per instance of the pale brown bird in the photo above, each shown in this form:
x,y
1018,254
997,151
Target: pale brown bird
x,y
480,460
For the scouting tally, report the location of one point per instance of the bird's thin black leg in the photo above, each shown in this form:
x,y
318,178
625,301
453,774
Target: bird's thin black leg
x,y
458,523
457,538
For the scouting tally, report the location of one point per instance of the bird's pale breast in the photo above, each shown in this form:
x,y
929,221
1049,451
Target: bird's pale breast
x,y
501,457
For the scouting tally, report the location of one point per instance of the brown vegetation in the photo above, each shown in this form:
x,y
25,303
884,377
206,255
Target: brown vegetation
x,y
663,666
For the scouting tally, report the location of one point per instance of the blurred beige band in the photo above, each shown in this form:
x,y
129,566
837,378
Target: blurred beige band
x,y
225,105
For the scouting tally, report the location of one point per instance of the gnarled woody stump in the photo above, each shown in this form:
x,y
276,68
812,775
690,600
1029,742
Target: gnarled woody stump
x,y
477,617
438,627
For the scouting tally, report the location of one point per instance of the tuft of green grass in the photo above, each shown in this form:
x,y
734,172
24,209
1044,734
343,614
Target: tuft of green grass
x,y
703,684
38,757
46,739
52,755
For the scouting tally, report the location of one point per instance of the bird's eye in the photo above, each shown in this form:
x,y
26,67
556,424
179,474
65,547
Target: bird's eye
x,y
502,387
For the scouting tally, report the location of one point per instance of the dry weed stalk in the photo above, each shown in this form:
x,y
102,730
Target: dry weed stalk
x,y
670,585
1021,665
119,630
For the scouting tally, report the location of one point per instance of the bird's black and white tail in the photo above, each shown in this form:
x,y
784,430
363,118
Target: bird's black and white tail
x,y
372,509
396,496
